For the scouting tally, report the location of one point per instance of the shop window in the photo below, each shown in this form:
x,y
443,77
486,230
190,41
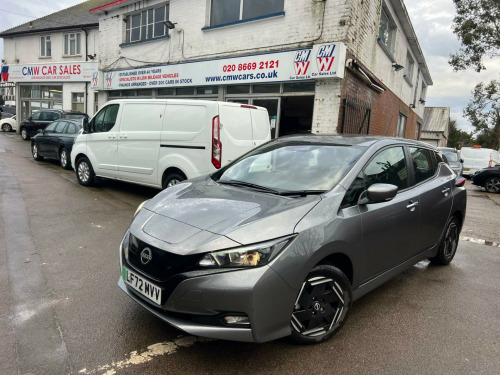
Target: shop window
x,y
148,24
77,101
207,90
145,93
401,126
299,87
386,31
185,91
72,44
224,12
238,89
166,92
45,46
266,89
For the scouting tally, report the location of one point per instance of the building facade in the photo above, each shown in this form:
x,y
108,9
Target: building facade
x,y
317,66
436,127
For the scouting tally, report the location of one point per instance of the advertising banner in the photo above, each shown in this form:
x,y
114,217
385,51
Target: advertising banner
x,y
52,72
320,61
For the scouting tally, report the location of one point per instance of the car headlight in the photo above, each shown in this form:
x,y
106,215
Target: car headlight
x,y
246,256
139,208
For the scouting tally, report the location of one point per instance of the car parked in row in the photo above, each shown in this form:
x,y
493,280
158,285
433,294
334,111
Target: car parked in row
x,y
282,240
41,119
8,124
56,141
477,158
453,158
489,178
7,111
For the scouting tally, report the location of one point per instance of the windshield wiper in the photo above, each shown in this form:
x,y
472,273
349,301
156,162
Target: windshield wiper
x,y
302,193
250,185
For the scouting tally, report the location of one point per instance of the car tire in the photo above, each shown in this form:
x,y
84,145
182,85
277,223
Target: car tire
x,y
35,153
24,134
171,180
64,159
448,245
492,185
6,128
322,306
84,172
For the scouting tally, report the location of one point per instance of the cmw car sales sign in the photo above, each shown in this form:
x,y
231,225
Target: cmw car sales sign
x,y
320,61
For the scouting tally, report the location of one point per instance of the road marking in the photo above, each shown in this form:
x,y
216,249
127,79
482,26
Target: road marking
x,y
155,350
479,241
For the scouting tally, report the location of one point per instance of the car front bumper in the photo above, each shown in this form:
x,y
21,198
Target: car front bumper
x,y
260,293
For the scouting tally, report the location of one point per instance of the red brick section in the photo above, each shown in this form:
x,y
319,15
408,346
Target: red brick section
x,y
385,106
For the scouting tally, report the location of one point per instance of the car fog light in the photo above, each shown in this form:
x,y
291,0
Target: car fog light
x,y
237,320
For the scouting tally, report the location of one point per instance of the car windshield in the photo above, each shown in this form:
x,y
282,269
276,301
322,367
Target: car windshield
x,y
287,167
451,156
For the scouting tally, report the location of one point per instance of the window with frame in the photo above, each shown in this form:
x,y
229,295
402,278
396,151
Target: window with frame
x,y
72,44
148,24
60,127
45,46
423,92
424,165
409,65
105,119
401,126
386,30
228,11
77,102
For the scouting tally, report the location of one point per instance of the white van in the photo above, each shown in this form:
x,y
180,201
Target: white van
x,y
476,158
160,142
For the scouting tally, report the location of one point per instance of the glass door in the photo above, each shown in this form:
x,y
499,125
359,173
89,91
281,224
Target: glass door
x,y
272,108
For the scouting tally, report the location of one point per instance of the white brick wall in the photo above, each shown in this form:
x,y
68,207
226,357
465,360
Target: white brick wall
x,y
326,106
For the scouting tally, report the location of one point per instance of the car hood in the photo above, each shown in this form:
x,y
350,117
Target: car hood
x,y
200,215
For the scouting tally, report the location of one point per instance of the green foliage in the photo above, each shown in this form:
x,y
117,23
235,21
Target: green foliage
x,y
483,111
477,25
458,138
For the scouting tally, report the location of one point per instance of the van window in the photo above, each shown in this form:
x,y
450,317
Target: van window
x,y
105,119
185,118
236,121
142,117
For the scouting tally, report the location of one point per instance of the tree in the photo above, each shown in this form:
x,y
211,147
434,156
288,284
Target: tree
x,y
458,138
477,25
483,111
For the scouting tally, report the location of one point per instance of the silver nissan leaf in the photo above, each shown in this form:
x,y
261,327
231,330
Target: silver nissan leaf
x,y
282,241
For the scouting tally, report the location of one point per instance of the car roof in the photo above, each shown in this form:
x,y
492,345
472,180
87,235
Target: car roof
x,y
353,140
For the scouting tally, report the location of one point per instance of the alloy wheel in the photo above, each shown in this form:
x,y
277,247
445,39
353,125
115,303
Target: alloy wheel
x,y
173,182
492,185
34,150
24,134
64,158
451,240
83,171
319,307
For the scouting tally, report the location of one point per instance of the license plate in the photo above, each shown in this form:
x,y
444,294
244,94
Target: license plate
x,y
143,286
467,169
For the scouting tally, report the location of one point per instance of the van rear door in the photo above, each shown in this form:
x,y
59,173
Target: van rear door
x,y
235,131
261,127
139,141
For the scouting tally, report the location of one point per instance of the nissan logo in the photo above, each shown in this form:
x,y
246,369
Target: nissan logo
x,y
146,255
317,306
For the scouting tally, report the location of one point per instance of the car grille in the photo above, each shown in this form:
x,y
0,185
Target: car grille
x,y
162,264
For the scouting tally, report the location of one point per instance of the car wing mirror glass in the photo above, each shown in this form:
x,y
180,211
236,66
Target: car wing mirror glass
x,y
377,193
87,127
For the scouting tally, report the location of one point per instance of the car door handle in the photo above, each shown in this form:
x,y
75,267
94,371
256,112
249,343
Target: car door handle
x,y
111,137
446,191
123,136
411,206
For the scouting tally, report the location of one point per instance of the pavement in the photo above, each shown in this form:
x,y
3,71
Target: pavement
x,y
61,311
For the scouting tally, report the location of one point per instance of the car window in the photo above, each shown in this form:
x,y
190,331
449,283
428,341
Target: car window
x,y
105,119
60,127
388,167
51,127
35,116
450,155
423,163
71,129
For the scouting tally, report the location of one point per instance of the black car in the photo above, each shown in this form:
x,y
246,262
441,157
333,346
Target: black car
x,y
40,119
489,178
56,141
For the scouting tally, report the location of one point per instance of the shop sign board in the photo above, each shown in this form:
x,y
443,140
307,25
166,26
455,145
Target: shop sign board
x,y
53,72
320,61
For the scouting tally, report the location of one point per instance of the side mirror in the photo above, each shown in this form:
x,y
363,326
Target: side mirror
x,y
377,193
86,126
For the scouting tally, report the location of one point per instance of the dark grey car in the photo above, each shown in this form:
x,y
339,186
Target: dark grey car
x,y
281,241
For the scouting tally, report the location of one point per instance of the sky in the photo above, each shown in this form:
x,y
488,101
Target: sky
x,y
431,19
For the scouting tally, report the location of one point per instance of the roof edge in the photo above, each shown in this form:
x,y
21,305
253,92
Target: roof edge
x,y
105,7
2,35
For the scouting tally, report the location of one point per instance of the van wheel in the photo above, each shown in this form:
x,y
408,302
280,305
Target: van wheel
x,y
171,180
24,134
64,159
84,172
322,306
